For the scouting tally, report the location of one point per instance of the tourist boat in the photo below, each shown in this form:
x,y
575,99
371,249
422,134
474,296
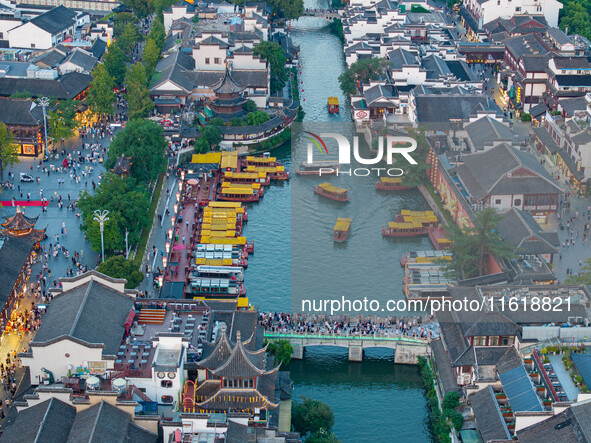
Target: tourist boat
x,y
391,184
218,254
318,168
333,105
342,229
228,206
277,172
199,287
404,229
330,191
424,257
228,272
243,193
264,160
426,218
247,177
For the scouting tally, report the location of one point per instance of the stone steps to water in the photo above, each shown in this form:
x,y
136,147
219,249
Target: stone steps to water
x,y
152,316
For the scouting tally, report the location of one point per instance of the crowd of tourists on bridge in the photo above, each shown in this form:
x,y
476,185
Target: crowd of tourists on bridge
x,y
415,327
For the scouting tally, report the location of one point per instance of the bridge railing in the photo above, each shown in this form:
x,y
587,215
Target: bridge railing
x,y
361,337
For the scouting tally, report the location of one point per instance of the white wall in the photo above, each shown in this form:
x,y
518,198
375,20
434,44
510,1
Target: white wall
x,y
29,36
175,14
54,359
210,52
492,10
246,61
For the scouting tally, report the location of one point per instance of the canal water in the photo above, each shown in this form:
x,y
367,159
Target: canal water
x,y
373,401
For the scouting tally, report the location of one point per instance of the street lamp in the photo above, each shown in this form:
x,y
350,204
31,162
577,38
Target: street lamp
x,y
167,247
172,220
180,186
170,234
175,207
164,260
44,103
160,278
101,217
178,196
182,175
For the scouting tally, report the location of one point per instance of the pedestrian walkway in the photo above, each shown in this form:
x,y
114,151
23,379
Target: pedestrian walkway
x,y
566,382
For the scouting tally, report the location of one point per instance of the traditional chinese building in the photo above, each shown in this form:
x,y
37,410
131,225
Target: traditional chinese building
x,y
232,379
19,241
24,118
122,166
229,99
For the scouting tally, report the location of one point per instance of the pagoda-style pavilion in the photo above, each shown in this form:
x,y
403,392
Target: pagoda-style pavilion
x,y
19,225
235,381
122,166
229,100
19,241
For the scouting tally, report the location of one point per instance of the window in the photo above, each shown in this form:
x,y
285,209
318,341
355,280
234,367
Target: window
x,y
493,341
479,341
167,399
166,384
217,61
517,202
518,9
498,201
207,61
32,45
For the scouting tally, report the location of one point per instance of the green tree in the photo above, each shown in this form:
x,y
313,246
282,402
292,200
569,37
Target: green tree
x,y
282,350
151,56
360,72
120,21
8,150
100,97
139,103
237,121
289,9
118,267
141,8
472,246
62,121
21,94
525,117
211,134
157,34
312,417
585,275
114,61
273,54
201,145
322,436
336,28
128,38
250,106
144,142
577,18
256,118
216,121
126,201
451,400
415,175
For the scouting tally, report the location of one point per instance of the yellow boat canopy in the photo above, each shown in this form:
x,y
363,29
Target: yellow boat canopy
x,y
265,169
333,100
214,261
253,159
392,180
210,157
237,191
223,241
343,224
331,188
417,213
229,160
218,204
245,175
241,185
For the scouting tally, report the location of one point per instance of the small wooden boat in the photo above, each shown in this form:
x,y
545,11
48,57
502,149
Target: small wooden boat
x,y
342,229
333,105
391,184
333,192
318,168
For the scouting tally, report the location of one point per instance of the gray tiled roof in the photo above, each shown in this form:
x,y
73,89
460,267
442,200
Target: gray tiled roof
x,y
486,173
20,112
486,131
81,59
445,372
91,312
65,87
13,254
55,20
489,420
46,422
520,230
569,426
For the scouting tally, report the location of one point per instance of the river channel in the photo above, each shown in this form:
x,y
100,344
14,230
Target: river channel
x,y
373,401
